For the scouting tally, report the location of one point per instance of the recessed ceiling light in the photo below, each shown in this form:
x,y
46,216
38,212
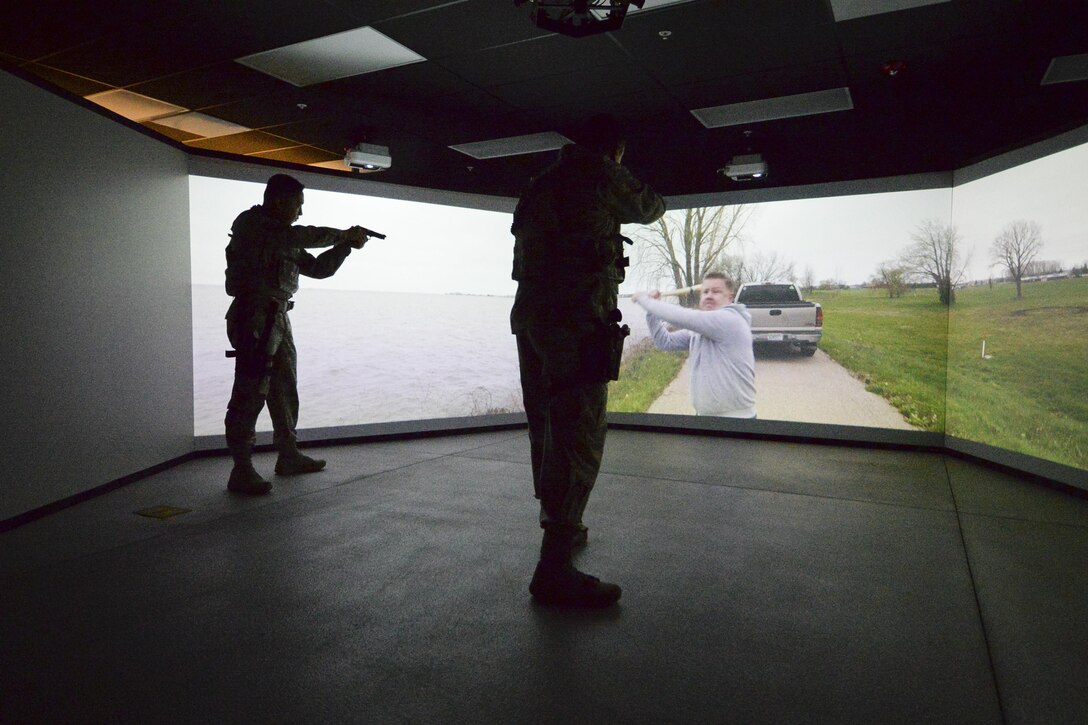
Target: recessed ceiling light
x,y
201,125
850,9
133,106
350,53
769,109
1065,69
513,145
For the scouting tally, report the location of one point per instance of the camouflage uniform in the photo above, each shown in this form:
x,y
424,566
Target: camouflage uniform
x,y
264,260
568,261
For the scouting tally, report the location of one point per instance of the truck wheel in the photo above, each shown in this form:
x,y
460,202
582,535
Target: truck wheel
x,y
808,350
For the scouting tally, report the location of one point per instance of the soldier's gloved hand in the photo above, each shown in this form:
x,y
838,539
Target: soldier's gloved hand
x,y
356,237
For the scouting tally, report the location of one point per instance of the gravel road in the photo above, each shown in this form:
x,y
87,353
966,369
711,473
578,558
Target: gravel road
x,y
803,389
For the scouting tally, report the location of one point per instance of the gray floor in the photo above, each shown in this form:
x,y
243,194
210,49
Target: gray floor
x,y
764,582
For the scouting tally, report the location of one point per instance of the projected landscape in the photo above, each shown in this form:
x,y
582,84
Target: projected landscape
x,y
911,286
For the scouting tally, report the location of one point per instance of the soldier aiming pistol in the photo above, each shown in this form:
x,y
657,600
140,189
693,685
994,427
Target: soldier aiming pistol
x,y
265,256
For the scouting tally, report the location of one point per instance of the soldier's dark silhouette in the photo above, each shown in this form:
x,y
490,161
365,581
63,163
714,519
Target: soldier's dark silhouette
x,y
568,262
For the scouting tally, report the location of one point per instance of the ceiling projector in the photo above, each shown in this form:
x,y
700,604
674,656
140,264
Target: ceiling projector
x,y
745,168
579,18
368,157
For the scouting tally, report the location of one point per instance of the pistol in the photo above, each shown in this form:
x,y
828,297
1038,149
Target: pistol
x,y
370,233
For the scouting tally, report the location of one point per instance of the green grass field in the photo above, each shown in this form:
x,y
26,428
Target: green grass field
x,y
1029,396
644,375
897,347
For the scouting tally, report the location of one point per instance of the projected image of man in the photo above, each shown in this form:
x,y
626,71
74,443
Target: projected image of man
x,y
718,338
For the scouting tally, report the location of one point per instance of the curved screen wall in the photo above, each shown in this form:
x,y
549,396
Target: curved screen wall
x,y
415,326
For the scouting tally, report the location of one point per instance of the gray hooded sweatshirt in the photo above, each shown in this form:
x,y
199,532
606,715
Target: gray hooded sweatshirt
x,y
719,343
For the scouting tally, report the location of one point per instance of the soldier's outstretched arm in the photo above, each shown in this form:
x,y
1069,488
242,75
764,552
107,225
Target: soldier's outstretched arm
x,y
304,237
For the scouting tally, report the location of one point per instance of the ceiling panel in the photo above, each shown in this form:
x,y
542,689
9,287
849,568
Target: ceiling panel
x,y
211,85
707,22
290,105
674,62
783,81
590,83
428,81
244,143
33,30
471,25
545,56
970,86
369,12
72,83
300,155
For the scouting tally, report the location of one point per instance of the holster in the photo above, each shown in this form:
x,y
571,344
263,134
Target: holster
x,y
615,334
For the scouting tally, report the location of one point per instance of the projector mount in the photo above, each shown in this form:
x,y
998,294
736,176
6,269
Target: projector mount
x,y
578,18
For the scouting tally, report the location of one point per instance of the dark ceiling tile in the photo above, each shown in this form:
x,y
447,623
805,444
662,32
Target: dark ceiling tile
x,y
288,106
299,155
892,32
546,56
587,84
172,133
369,12
712,22
467,26
151,46
423,81
643,114
679,63
71,83
211,86
783,81
493,126
125,60
333,134
244,143
31,30
242,27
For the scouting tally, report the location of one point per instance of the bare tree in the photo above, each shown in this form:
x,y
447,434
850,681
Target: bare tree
x,y
892,276
935,253
808,279
686,244
761,267
1016,247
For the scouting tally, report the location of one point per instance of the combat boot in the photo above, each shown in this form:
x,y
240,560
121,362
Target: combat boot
x,y
291,462
245,479
557,583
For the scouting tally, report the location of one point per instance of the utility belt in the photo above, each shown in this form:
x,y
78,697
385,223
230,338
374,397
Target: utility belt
x,y
260,302
258,360
613,267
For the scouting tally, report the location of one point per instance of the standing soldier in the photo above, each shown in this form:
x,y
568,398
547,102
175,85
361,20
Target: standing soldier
x,y
265,256
568,261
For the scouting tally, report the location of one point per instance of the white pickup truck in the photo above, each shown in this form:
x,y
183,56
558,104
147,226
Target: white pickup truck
x,y
781,317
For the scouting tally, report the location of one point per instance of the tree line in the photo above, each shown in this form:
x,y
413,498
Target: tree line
x,y
685,244
936,255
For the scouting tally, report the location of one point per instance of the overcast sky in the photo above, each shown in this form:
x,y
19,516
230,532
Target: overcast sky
x,y
441,249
